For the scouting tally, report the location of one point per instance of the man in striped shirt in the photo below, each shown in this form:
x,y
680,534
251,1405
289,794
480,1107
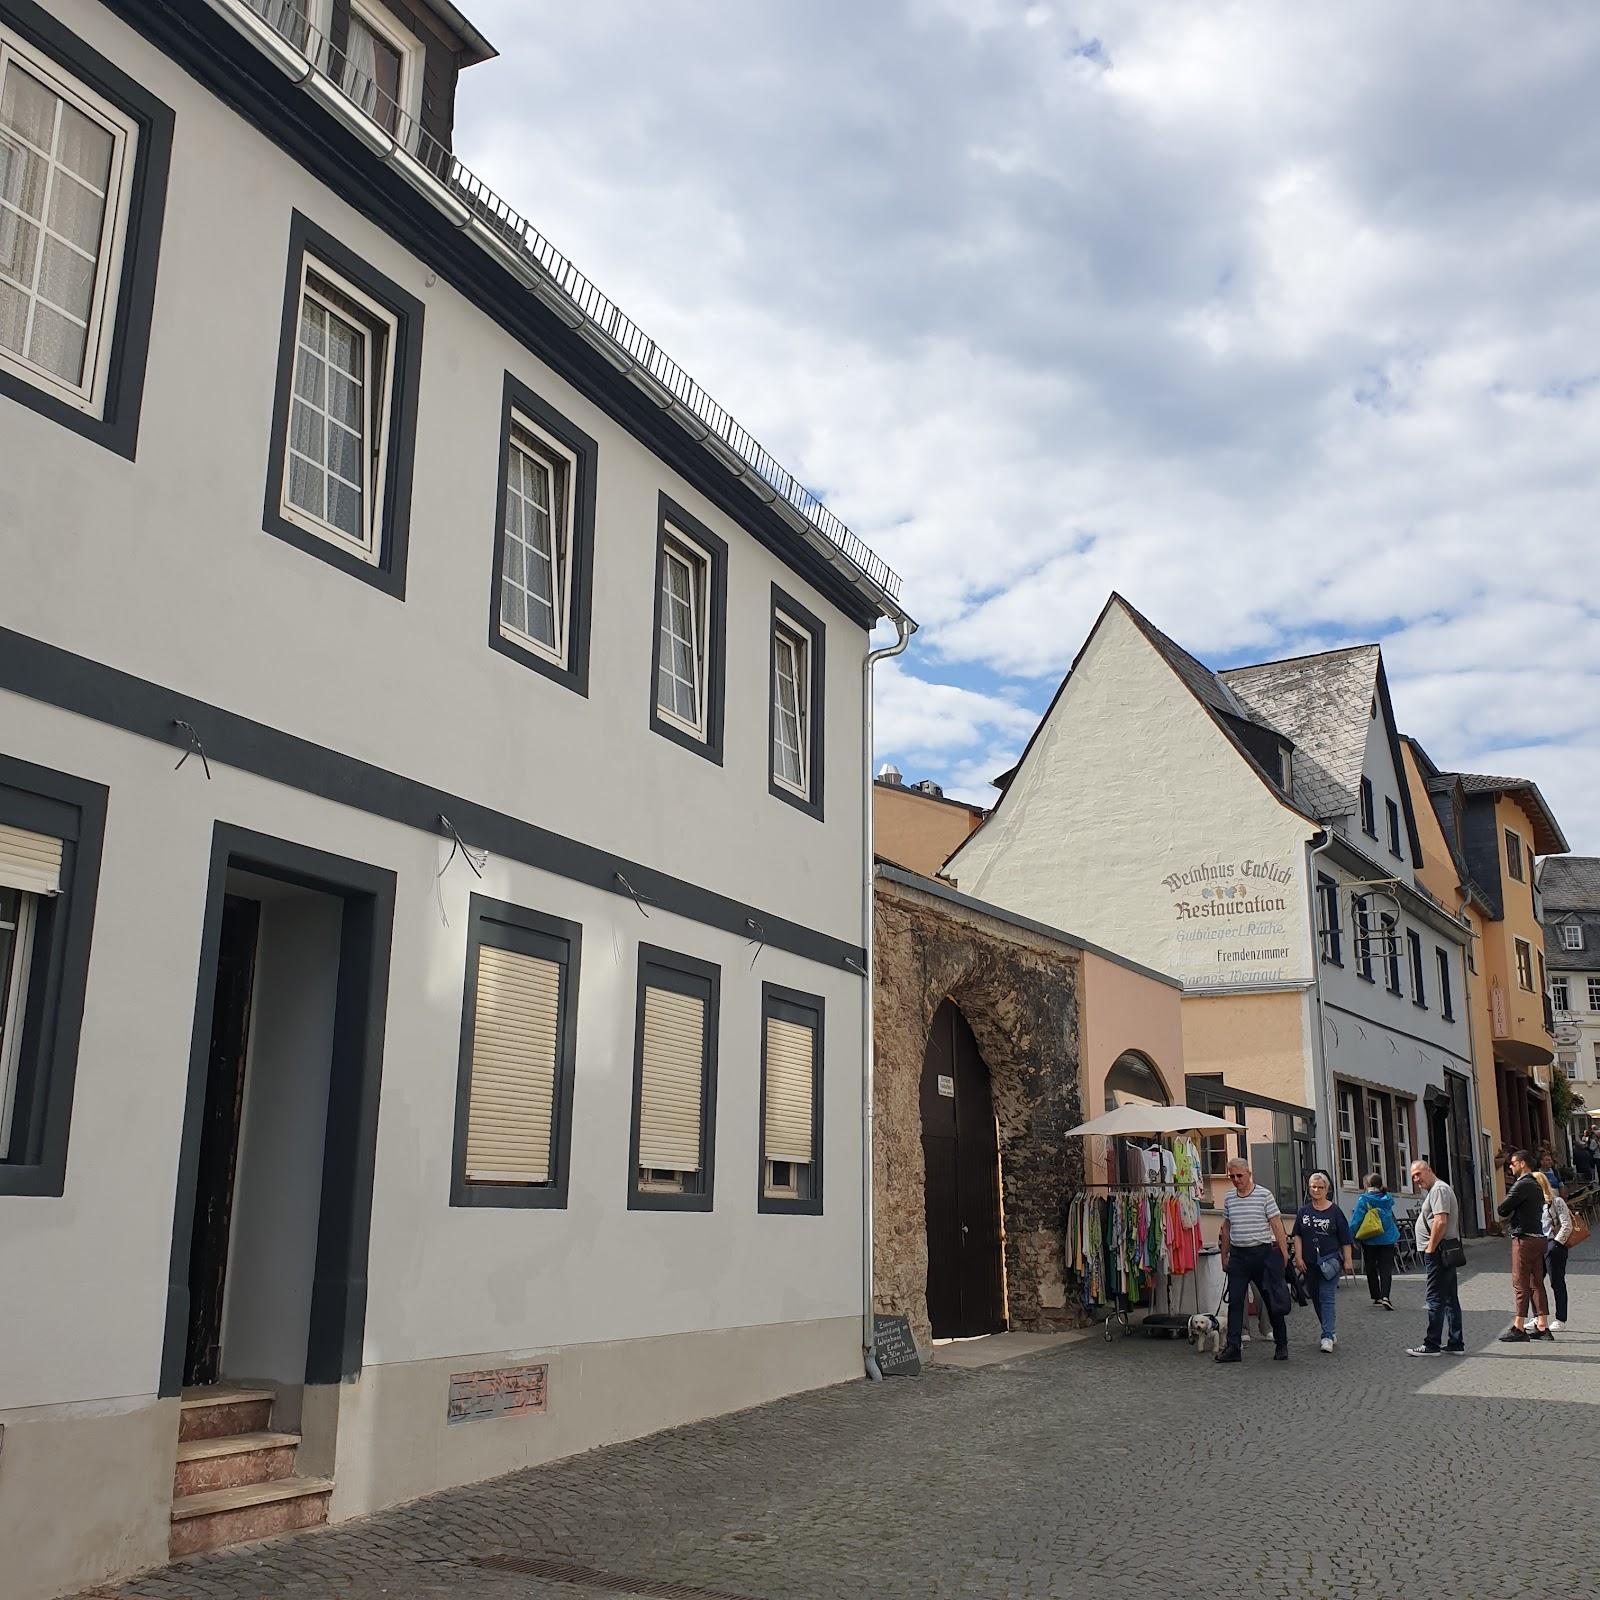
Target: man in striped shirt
x,y
1254,1250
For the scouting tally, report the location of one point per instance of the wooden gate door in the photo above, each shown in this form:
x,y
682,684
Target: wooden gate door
x,y
961,1156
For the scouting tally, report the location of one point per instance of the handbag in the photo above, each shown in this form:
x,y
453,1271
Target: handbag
x,y
1580,1230
1371,1225
1328,1266
1452,1253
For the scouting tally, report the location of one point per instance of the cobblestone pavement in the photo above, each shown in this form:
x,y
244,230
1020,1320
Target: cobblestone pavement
x,y
1092,1470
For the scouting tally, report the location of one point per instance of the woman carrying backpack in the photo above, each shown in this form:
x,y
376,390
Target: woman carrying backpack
x,y
1373,1227
1557,1231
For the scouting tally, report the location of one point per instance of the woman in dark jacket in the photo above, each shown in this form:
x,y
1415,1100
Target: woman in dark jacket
x,y
1377,1249
1322,1245
1523,1209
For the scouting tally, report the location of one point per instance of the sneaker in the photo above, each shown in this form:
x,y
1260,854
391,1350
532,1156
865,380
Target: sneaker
x,y
1543,1333
1514,1336
1326,1347
1455,1349
1555,1324
1280,1354
1223,1356
1424,1350
1386,1303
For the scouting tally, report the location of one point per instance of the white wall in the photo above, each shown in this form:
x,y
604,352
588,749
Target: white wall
x,y
277,1195
1122,817
93,548
442,1281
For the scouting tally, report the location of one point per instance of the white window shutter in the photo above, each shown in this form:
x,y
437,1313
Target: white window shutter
x,y
671,1080
29,861
513,1068
790,1078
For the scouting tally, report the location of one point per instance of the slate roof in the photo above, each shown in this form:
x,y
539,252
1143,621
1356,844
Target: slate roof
x,y
1323,703
1548,839
1570,883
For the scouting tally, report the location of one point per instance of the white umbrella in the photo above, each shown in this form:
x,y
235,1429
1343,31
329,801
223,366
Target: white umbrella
x,y
1140,1121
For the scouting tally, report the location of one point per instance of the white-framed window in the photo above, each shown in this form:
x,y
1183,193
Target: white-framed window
x,y
1594,994
685,626
1363,936
1560,995
1572,936
335,457
1402,1145
1597,1058
1349,1164
17,918
1375,1161
1525,964
791,706
66,172
383,64
536,564
1567,1060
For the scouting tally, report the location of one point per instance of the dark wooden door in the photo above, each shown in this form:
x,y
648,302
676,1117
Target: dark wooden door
x,y
961,1155
219,1138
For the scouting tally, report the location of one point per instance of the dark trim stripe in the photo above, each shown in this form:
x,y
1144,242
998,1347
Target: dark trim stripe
x,y
74,683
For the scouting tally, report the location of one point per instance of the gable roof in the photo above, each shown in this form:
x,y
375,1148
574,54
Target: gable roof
x,y
1570,883
1324,703
1548,839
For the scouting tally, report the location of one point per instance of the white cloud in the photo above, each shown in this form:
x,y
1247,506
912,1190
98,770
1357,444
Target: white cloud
x,y
1282,320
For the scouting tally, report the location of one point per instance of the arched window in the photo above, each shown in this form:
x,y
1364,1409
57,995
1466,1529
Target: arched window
x,y
1132,1081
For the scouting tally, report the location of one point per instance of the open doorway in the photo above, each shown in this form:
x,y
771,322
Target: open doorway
x,y
270,1227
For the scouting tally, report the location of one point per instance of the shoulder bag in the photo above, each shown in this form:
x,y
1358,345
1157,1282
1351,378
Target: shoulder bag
x,y
1452,1253
1371,1225
1580,1230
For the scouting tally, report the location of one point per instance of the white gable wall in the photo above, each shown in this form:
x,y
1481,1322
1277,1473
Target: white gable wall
x,y
1132,814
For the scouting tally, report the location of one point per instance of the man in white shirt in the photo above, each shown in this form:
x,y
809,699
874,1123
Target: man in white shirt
x,y
1254,1251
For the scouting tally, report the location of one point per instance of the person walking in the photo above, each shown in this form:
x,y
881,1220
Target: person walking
x,y
1438,1224
1583,1160
1323,1247
1523,1209
1557,1220
1377,1246
1254,1250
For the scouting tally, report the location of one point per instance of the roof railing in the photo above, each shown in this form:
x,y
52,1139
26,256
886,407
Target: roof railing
x,y
353,80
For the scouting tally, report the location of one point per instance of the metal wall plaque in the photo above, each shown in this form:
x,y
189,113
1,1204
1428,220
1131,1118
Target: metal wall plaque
x,y
947,1086
499,1392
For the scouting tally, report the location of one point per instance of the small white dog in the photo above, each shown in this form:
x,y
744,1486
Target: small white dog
x,y
1205,1332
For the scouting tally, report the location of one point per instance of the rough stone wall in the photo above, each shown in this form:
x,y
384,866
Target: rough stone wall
x,y
1020,994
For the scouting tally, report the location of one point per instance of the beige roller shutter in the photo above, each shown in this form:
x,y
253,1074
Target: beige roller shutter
x,y
513,1068
790,1060
671,1080
29,861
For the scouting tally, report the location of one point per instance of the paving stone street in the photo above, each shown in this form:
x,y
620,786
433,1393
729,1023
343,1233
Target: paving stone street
x,y
1091,1469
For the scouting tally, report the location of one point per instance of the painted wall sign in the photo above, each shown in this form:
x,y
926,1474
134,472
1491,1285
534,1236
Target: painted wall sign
x,y
947,1086
1232,923
498,1392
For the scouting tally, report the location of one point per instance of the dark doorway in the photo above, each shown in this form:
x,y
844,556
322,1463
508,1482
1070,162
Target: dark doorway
x,y
1464,1178
961,1153
219,1138
1439,1143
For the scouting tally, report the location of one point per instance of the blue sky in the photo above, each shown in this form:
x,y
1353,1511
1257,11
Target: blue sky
x,y
1284,321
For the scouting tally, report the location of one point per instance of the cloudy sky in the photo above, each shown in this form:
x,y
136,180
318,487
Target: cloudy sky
x,y
1282,320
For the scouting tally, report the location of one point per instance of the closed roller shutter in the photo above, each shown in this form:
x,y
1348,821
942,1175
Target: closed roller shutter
x,y
29,861
671,1080
513,1067
790,1067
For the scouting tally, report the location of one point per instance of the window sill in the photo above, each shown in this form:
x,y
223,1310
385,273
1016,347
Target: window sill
x,y
508,1197
774,1206
666,1200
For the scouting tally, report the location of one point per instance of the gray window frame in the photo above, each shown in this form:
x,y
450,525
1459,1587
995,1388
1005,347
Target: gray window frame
x,y
807,1010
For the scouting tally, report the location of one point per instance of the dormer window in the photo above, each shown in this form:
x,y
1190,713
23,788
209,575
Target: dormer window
x,y
1285,767
383,69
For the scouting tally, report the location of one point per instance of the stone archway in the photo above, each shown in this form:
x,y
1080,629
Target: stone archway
x,y
1019,993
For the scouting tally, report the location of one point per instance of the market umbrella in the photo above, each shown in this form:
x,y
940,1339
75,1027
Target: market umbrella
x,y
1142,1121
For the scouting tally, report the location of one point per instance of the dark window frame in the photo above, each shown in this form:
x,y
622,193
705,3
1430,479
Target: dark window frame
x,y
812,626
806,1010
1361,912
1419,987
670,969
1389,926
1447,1007
117,426
73,810
1369,815
1514,854
518,399
1391,814
388,573
502,925
1517,947
1330,932
716,550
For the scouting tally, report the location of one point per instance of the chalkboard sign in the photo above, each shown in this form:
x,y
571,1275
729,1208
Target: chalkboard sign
x,y
894,1347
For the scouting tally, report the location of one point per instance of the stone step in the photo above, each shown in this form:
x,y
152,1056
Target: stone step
x,y
217,1517
213,1413
232,1460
